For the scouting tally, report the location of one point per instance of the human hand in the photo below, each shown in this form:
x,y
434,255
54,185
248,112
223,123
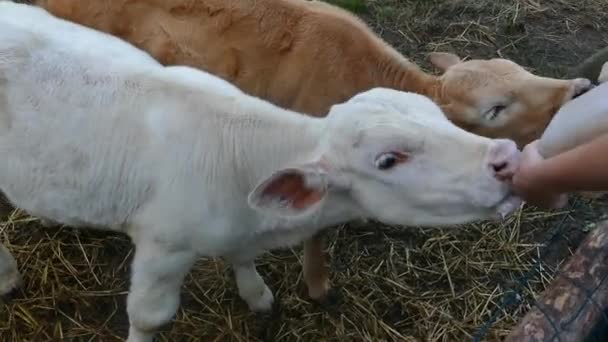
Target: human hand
x,y
527,181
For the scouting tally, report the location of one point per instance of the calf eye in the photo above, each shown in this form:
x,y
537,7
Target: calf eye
x,y
494,112
388,160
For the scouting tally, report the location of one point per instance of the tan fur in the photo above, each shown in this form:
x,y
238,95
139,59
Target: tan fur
x,y
308,55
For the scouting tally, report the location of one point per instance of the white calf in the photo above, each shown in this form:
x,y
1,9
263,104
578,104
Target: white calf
x,y
95,133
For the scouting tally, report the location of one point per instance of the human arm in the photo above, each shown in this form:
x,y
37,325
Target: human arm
x,y
541,181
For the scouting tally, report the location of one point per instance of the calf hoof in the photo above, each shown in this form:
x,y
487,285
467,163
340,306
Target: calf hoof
x,y
320,292
264,303
11,294
10,289
269,315
331,298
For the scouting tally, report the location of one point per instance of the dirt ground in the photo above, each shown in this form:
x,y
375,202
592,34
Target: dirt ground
x,y
391,284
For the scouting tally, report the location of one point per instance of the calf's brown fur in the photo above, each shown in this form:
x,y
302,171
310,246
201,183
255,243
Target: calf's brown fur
x,y
309,55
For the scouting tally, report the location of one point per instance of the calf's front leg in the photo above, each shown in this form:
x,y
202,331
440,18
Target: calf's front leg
x,y
10,279
252,288
316,274
158,271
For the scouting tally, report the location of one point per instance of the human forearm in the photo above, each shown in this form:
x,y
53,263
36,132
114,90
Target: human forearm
x,y
584,168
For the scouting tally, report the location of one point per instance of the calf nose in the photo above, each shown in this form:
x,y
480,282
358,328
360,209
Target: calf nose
x,y
581,86
503,158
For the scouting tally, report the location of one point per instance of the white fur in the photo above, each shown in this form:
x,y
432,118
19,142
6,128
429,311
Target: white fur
x,y
95,133
603,77
10,279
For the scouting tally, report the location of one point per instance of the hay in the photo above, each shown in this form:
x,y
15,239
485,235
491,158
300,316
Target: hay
x,y
392,284
432,285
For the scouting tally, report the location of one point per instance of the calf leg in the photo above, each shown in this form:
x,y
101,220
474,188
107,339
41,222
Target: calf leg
x,y
252,288
10,279
158,272
316,274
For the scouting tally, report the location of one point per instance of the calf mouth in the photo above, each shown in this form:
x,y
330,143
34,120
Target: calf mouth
x,y
507,205
581,91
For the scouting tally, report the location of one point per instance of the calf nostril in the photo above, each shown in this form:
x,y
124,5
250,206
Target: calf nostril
x,y
498,167
502,159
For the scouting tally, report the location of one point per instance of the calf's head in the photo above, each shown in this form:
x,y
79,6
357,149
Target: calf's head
x,y
393,157
498,98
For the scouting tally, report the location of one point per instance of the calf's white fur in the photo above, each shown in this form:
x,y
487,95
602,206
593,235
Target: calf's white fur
x,y
95,133
603,77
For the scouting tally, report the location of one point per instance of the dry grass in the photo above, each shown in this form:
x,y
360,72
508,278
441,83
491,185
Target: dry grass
x,y
392,284
431,285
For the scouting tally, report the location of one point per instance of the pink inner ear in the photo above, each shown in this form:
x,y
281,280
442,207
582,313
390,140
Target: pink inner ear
x,y
292,188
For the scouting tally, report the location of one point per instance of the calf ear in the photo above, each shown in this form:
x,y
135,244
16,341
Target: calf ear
x,y
443,60
291,192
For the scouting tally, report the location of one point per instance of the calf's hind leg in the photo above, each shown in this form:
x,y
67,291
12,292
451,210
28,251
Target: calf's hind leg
x,y
10,279
316,274
158,272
